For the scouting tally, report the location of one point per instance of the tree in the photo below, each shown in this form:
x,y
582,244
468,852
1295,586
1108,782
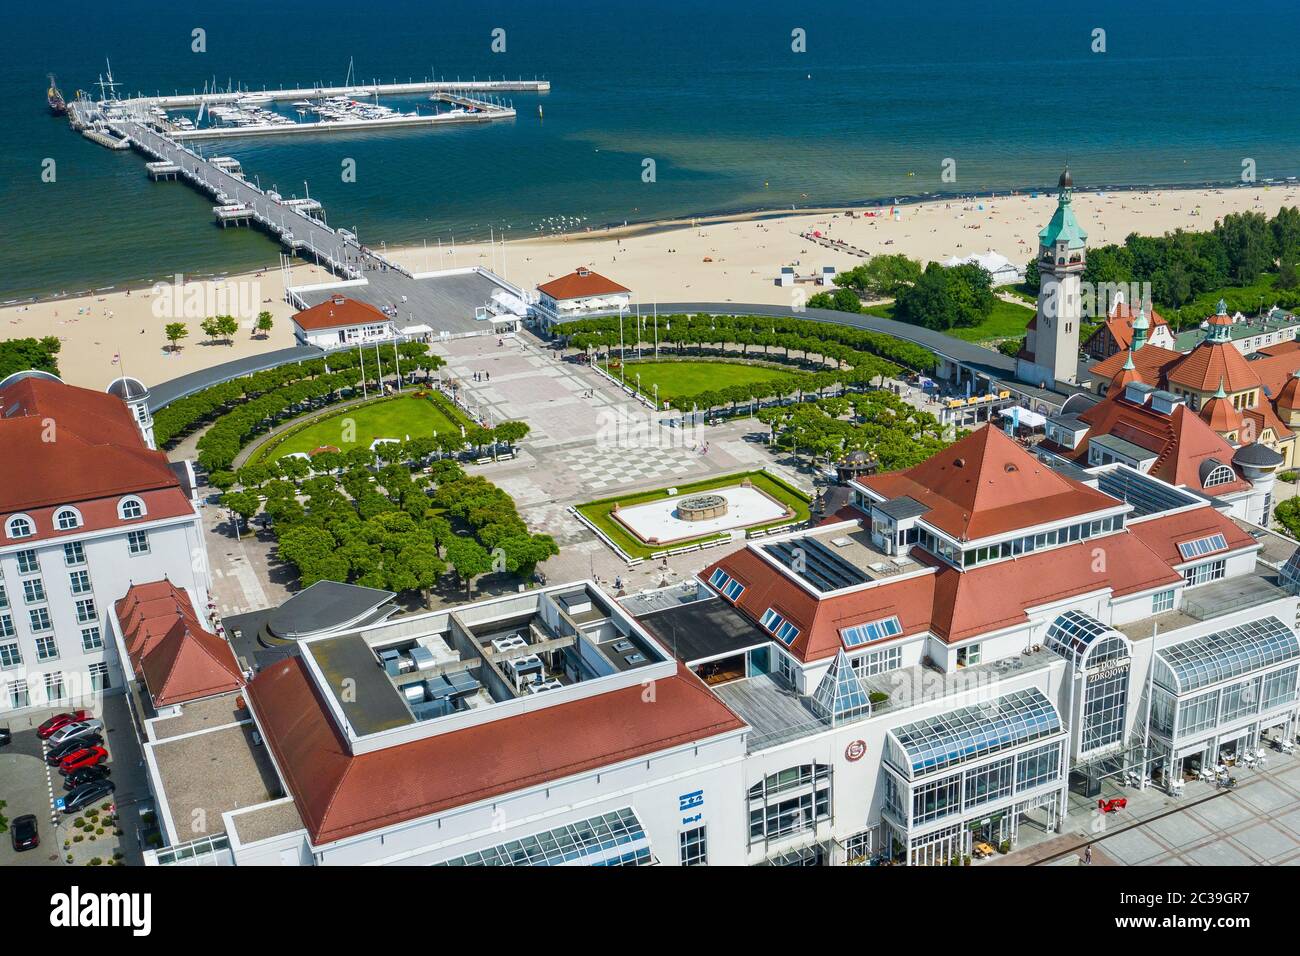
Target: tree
x,y
928,303
211,328
19,355
227,326
525,552
469,559
243,503
883,276
265,321
175,331
1249,243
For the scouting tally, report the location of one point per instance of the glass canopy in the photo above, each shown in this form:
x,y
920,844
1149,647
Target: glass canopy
x,y
840,696
1223,655
611,839
970,733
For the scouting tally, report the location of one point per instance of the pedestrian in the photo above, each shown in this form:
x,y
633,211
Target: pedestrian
x,y
1087,855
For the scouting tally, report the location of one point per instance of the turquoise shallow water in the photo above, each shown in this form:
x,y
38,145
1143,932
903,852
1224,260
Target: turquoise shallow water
x,y
712,93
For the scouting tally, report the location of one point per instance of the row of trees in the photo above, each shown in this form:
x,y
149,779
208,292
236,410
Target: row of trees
x,y
185,414
1240,250
413,453
836,344
217,327
895,433
783,387
395,527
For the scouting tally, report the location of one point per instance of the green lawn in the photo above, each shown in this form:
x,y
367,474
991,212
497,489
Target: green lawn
x,y
691,378
400,418
1006,321
598,512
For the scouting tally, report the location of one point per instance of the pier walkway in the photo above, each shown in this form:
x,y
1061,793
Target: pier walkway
x,y
242,201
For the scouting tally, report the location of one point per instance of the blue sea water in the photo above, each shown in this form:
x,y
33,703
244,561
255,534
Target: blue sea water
x,y
711,91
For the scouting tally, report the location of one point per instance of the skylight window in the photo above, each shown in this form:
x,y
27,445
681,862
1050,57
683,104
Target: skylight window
x,y
1202,546
726,585
868,633
779,627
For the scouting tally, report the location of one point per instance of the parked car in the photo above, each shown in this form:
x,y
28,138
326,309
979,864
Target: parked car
x,y
85,757
55,754
46,730
24,833
85,775
85,795
77,730
6,736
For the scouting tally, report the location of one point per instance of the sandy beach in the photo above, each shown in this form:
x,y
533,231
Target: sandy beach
x,y
746,254
719,260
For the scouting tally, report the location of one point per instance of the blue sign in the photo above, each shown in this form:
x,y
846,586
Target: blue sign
x,y
691,801
58,803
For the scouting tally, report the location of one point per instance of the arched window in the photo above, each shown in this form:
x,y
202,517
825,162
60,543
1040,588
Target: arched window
x,y
1220,476
131,507
65,519
20,526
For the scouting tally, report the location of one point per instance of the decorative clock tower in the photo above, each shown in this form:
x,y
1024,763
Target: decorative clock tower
x,y
1051,351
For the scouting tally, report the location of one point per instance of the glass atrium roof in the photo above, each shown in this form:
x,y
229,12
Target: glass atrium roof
x,y
1290,573
611,839
1223,655
1147,495
960,736
1073,633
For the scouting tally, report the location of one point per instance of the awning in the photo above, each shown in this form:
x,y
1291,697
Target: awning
x,y
1024,416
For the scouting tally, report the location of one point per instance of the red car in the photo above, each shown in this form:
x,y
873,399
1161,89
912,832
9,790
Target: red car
x,y
47,729
83,757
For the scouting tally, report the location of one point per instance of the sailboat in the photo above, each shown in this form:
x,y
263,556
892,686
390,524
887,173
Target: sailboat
x,y
55,99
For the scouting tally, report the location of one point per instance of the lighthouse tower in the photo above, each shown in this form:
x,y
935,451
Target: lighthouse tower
x,y
1052,349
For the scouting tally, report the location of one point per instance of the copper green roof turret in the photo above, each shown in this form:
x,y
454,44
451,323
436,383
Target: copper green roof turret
x,y
1141,326
1063,227
1220,393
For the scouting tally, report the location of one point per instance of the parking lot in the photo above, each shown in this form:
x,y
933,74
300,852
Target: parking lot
x,y
28,785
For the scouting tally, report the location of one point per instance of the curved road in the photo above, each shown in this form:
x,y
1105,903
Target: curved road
x,y
993,365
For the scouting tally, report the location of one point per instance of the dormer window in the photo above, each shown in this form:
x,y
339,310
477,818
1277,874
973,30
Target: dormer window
x,y
67,518
1220,476
129,508
20,526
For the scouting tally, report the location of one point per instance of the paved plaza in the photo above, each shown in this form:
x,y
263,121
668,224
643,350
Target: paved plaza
x,y
1255,824
588,440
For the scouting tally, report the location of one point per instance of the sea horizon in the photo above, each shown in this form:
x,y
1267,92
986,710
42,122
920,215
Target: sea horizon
x,y
738,125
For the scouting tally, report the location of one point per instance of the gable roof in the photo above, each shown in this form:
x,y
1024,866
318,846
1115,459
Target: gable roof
x,y
175,656
986,484
338,312
579,284
339,794
1119,325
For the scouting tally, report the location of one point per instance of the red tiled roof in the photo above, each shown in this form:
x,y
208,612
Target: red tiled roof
x,y
1164,533
580,284
986,484
68,445
820,621
1263,416
1181,441
1210,363
177,659
338,312
1150,361
1221,415
340,795
1281,348
985,599
1119,325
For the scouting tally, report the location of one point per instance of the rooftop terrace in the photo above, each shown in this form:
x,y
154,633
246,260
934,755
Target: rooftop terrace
x,y
422,668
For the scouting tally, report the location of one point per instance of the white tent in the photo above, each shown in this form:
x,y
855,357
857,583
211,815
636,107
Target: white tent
x,y
1024,416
